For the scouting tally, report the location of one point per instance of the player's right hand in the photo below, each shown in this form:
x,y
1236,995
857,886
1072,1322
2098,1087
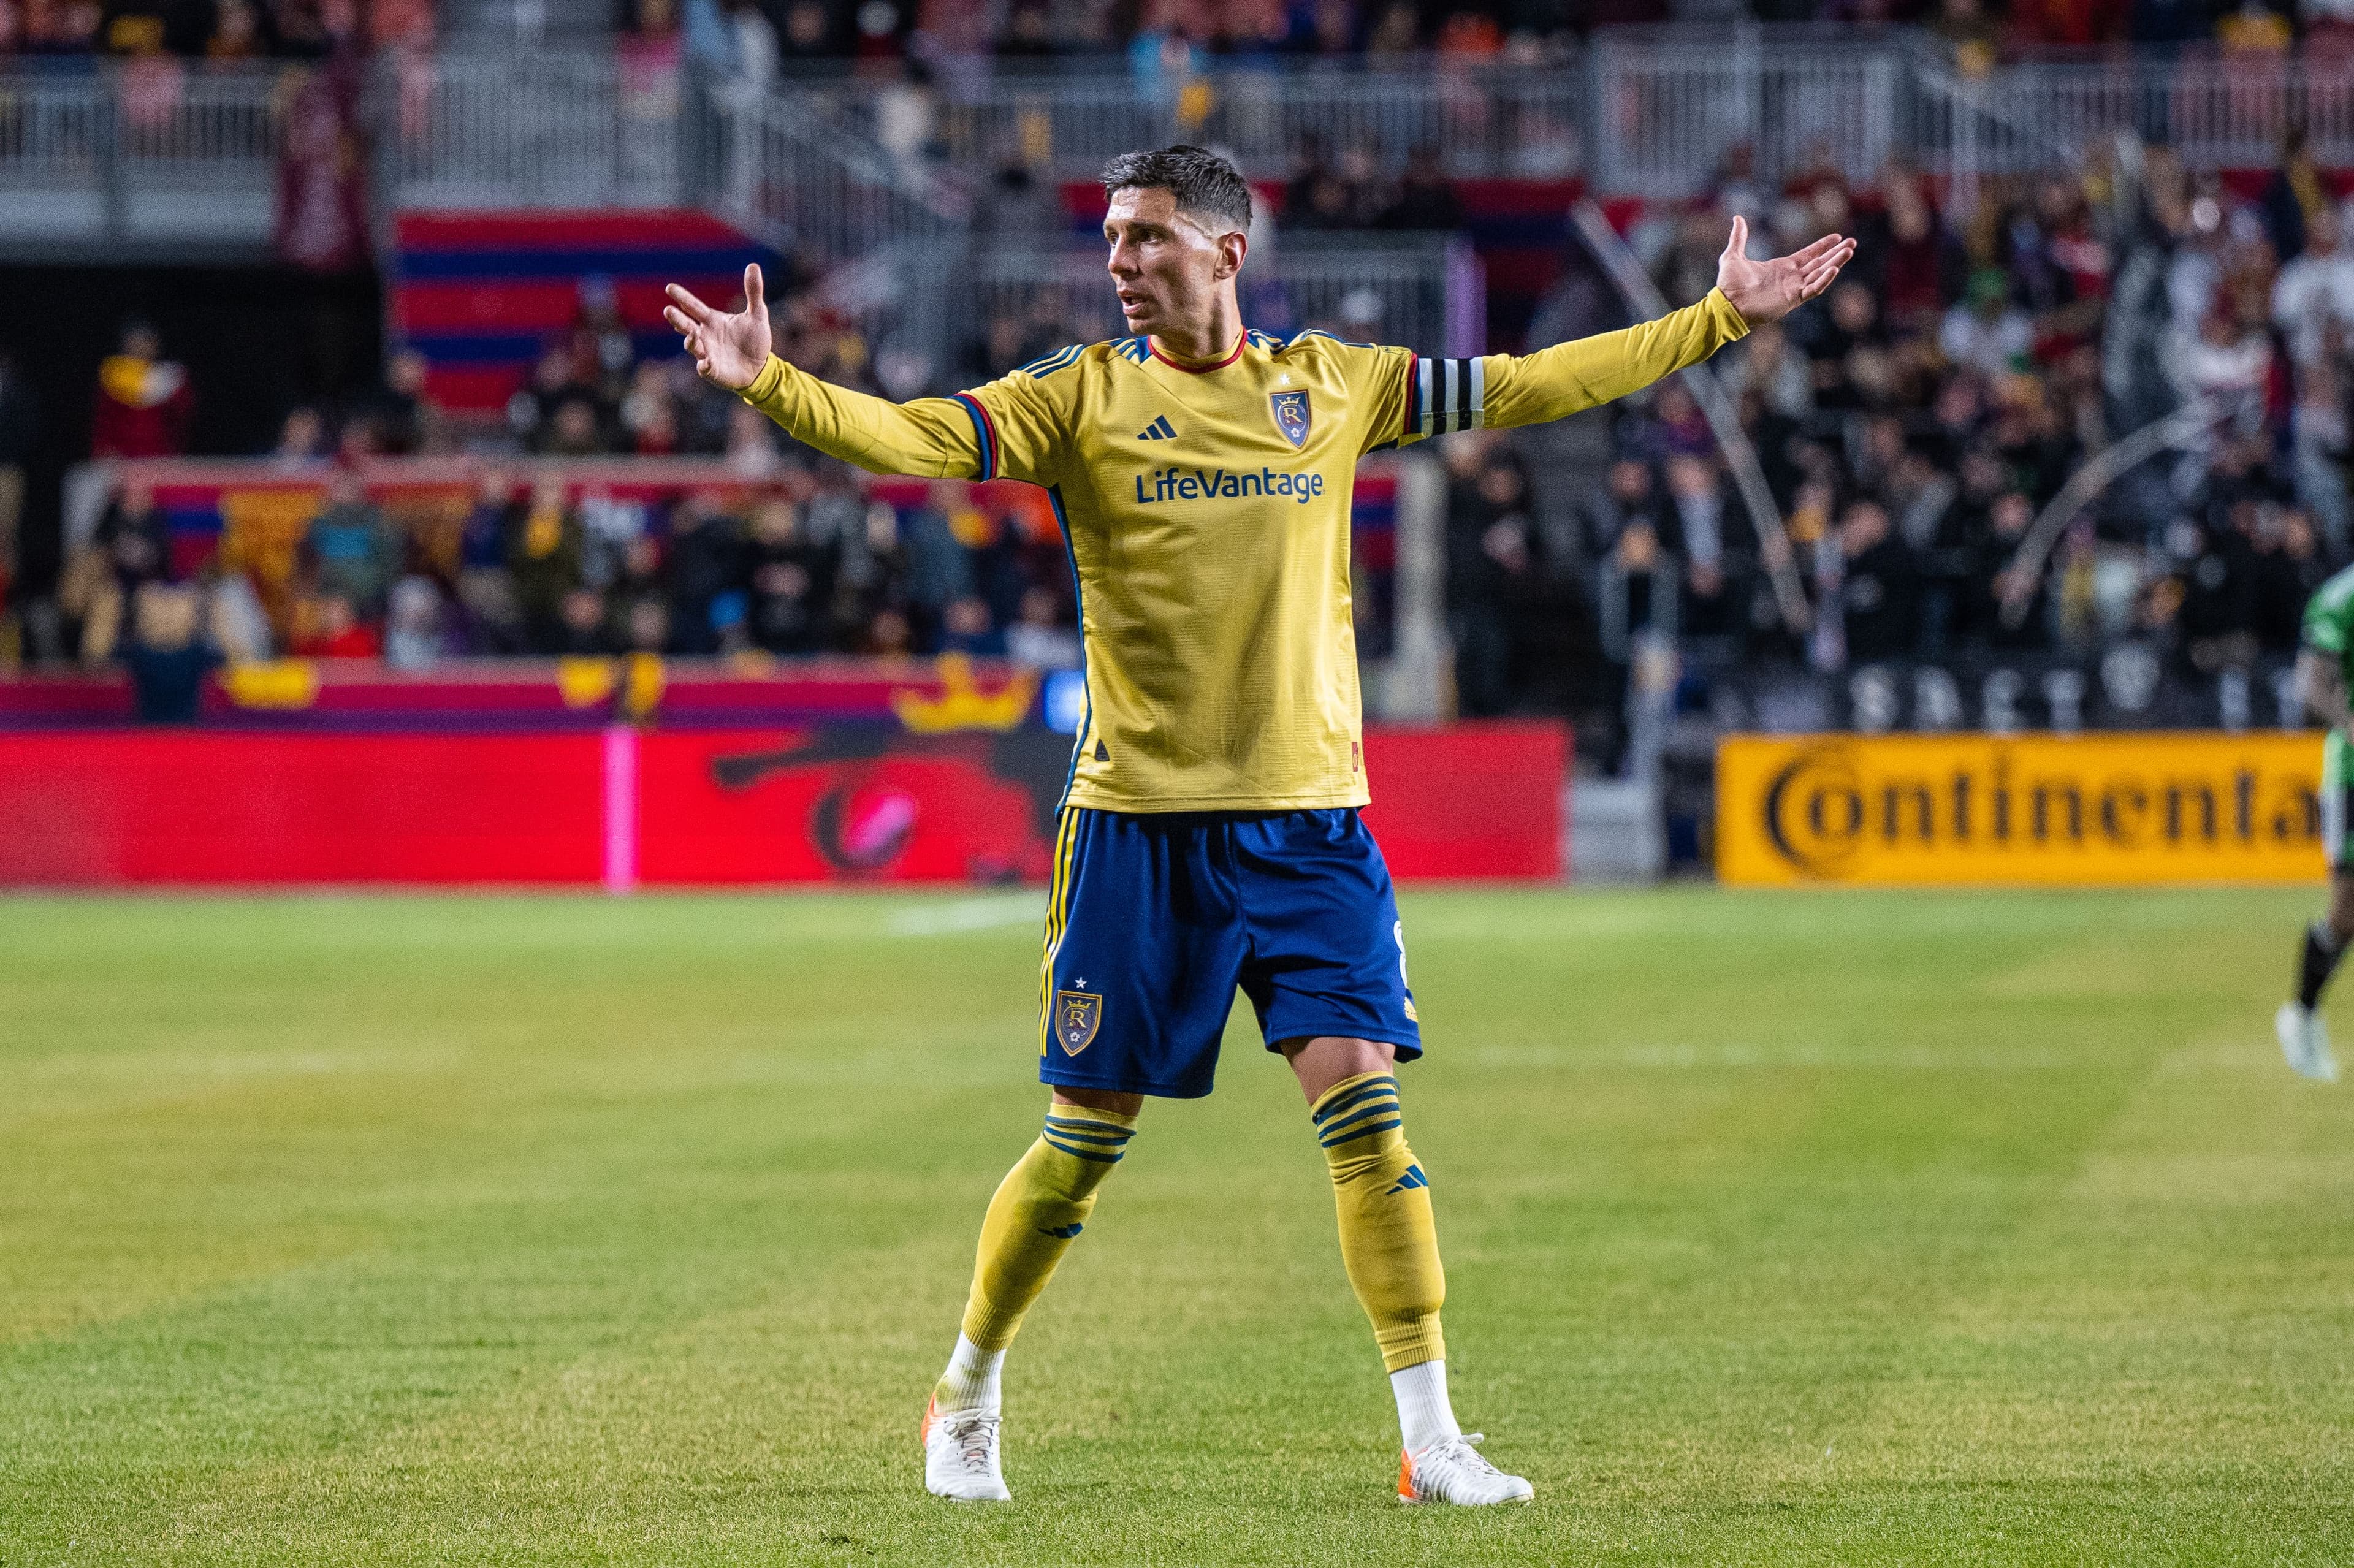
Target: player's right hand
x,y
729,350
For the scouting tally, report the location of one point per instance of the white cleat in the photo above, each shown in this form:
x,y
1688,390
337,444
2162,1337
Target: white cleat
x,y
960,1456
1453,1472
2304,1041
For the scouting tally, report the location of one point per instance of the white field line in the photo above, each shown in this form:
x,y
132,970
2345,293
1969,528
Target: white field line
x,y
2027,1059
970,915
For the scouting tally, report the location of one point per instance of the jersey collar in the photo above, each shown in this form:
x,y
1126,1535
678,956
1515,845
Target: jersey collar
x,y
1196,367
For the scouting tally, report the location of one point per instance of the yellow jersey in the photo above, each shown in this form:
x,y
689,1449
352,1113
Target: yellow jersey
x,y
1206,510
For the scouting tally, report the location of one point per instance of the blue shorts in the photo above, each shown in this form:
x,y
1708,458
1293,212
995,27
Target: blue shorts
x,y
1153,920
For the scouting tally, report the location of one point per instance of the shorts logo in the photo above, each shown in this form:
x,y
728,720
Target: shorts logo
x,y
1291,416
1078,1016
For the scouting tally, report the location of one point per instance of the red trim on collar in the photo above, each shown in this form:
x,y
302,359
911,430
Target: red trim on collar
x,y
1240,344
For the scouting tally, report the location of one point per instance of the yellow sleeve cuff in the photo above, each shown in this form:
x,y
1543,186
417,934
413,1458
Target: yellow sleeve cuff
x,y
772,375
1731,326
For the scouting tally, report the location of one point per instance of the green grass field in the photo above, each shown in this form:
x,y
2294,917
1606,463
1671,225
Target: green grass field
x,y
1845,1228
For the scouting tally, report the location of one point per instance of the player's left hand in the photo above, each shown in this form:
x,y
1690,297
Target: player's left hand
x,y
1767,291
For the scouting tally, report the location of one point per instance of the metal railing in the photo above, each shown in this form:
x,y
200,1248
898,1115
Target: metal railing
x,y
147,150
161,151
530,129
2214,114
1669,114
1644,111
1482,119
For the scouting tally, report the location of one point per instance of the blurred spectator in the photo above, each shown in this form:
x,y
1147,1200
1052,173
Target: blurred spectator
x,y
168,654
967,627
239,32
329,627
938,570
20,426
143,403
1491,574
409,420
543,556
1042,638
705,562
412,629
2226,360
791,581
752,442
130,548
354,551
1987,334
2314,294
1879,588
489,620
1425,198
302,437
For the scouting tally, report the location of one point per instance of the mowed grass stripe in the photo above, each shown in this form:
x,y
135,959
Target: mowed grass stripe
x,y
655,1258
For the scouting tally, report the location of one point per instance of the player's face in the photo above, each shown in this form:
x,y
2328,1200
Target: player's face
x,y
1166,267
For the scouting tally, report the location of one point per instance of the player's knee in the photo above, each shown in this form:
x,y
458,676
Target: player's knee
x,y
1129,1106
2341,905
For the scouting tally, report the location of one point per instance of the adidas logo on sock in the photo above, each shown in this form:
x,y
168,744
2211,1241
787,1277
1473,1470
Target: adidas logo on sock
x,y
1064,1232
1412,1178
1160,430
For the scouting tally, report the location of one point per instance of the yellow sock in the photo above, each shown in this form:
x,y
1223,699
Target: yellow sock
x,y
1041,1205
1388,1238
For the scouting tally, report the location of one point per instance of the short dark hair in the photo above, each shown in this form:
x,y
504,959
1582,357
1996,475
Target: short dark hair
x,y
1202,182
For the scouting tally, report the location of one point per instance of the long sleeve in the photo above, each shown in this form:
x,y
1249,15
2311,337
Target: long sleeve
x,y
1569,377
1499,391
931,438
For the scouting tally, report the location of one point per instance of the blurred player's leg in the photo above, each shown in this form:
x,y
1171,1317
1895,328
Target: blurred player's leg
x,y
2303,1037
1040,1208
1389,1242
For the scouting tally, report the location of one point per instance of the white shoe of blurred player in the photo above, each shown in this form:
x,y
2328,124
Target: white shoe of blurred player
x,y
2304,1041
1453,1472
960,1456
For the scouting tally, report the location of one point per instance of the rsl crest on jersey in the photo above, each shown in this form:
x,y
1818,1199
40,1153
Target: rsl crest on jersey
x,y
1291,416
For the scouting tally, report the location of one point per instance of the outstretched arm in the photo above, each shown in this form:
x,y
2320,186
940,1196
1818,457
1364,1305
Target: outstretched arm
x,y
932,437
1571,376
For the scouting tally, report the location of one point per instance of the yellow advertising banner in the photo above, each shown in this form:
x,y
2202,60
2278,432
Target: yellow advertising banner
x,y
2082,808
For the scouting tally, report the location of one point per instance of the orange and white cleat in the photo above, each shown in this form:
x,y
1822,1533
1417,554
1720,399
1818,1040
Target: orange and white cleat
x,y
960,1455
1451,1471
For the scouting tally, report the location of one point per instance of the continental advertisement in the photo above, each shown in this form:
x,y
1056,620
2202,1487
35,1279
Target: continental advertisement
x,y
2193,807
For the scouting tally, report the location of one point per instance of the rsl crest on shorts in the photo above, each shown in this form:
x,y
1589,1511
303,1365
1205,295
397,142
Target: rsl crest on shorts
x,y
1155,918
1078,1016
1291,416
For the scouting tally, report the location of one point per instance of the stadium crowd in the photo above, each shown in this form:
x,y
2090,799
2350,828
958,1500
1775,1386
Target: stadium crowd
x,y
1158,40
1154,38
69,34
1911,427
1914,424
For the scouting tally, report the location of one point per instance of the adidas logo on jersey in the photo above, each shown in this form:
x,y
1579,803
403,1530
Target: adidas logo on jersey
x,y
1160,430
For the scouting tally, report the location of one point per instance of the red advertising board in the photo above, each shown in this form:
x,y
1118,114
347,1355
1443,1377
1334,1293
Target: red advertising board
x,y
124,809
833,802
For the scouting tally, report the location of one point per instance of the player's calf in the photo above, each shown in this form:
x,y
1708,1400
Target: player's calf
x,y
1389,1240
1038,1211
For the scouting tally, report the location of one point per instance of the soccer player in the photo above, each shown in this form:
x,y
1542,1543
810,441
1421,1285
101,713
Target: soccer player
x,y
1209,836
2323,669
